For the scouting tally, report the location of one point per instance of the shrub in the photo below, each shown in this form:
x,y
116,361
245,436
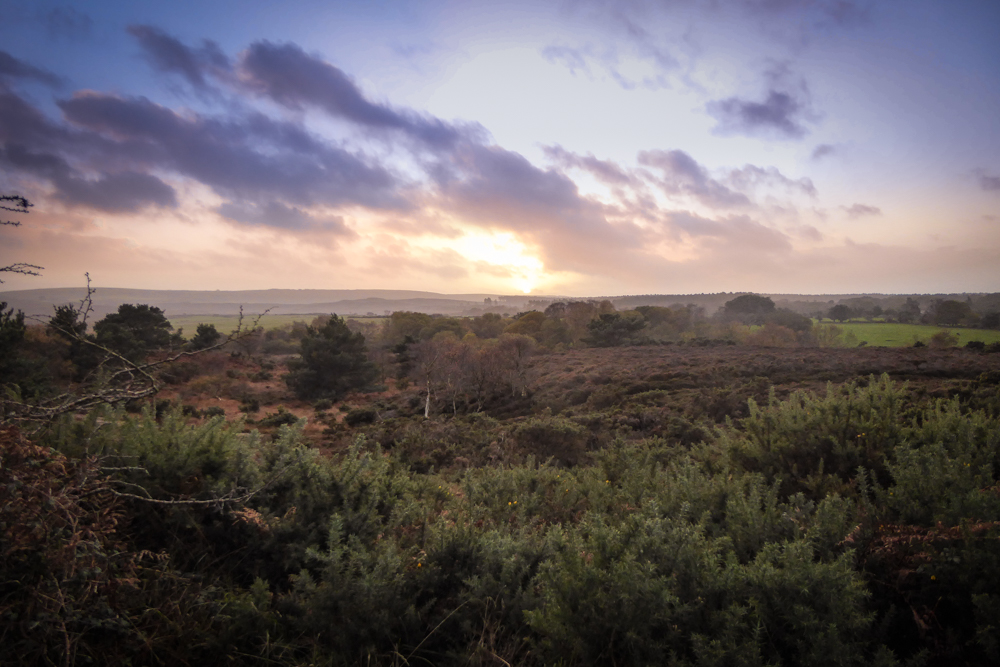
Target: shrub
x,y
280,418
553,437
360,416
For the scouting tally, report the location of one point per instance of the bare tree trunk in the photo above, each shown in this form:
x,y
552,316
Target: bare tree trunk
x,y
427,402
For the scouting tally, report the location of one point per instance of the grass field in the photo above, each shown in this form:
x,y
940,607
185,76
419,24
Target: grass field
x,y
881,334
227,323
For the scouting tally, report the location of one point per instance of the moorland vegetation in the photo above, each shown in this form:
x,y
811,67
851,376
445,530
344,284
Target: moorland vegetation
x,y
578,485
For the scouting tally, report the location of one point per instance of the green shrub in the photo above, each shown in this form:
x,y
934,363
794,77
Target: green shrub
x,y
553,437
359,416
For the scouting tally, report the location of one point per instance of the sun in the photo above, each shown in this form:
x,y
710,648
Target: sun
x,y
504,252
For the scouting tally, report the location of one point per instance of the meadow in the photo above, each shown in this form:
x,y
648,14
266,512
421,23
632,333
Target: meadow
x,y
884,334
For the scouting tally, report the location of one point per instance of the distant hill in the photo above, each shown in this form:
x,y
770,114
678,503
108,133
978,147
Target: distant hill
x,y
40,302
175,303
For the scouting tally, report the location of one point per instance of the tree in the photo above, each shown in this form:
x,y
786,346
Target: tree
x,y
910,311
749,308
16,204
951,312
613,329
790,320
205,336
333,361
840,313
134,331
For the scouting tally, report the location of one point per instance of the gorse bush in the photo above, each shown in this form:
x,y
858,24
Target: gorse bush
x,y
856,527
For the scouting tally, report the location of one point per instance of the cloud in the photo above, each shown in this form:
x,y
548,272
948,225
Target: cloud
x,y
114,193
736,233
988,182
168,54
251,156
288,75
860,210
12,68
682,175
822,151
783,112
604,170
276,214
750,177
573,59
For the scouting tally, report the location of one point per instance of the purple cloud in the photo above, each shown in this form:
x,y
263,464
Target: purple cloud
x,y
168,54
288,75
248,157
822,151
988,182
783,113
114,192
751,177
12,68
603,170
860,210
682,175
276,214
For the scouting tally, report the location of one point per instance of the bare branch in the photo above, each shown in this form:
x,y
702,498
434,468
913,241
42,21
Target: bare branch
x,y
125,380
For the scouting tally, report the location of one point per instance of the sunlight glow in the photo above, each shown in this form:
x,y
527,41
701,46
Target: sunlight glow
x,y
503,251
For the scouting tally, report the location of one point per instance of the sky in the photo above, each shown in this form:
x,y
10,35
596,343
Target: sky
x,y
577,148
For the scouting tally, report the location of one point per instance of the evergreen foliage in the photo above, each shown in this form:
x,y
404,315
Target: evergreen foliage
x,y
133,331
334,361
856,527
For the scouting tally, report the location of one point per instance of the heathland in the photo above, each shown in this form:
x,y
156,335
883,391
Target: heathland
x,y
580,484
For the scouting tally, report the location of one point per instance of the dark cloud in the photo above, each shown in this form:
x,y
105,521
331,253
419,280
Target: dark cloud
x,y
115,193
121,192
290,76
783,113
860,210
168,54
12,68
276,214
250,157
822,151
682,175
66,22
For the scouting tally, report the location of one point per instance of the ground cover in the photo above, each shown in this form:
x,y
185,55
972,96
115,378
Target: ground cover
x,y
686,504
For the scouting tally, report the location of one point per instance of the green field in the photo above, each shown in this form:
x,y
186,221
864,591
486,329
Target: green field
x,y
227,323
882,334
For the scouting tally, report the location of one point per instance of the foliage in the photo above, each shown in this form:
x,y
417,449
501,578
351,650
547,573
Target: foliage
x,y
749,308
333,362
613,329
656,517
205,336
133,331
